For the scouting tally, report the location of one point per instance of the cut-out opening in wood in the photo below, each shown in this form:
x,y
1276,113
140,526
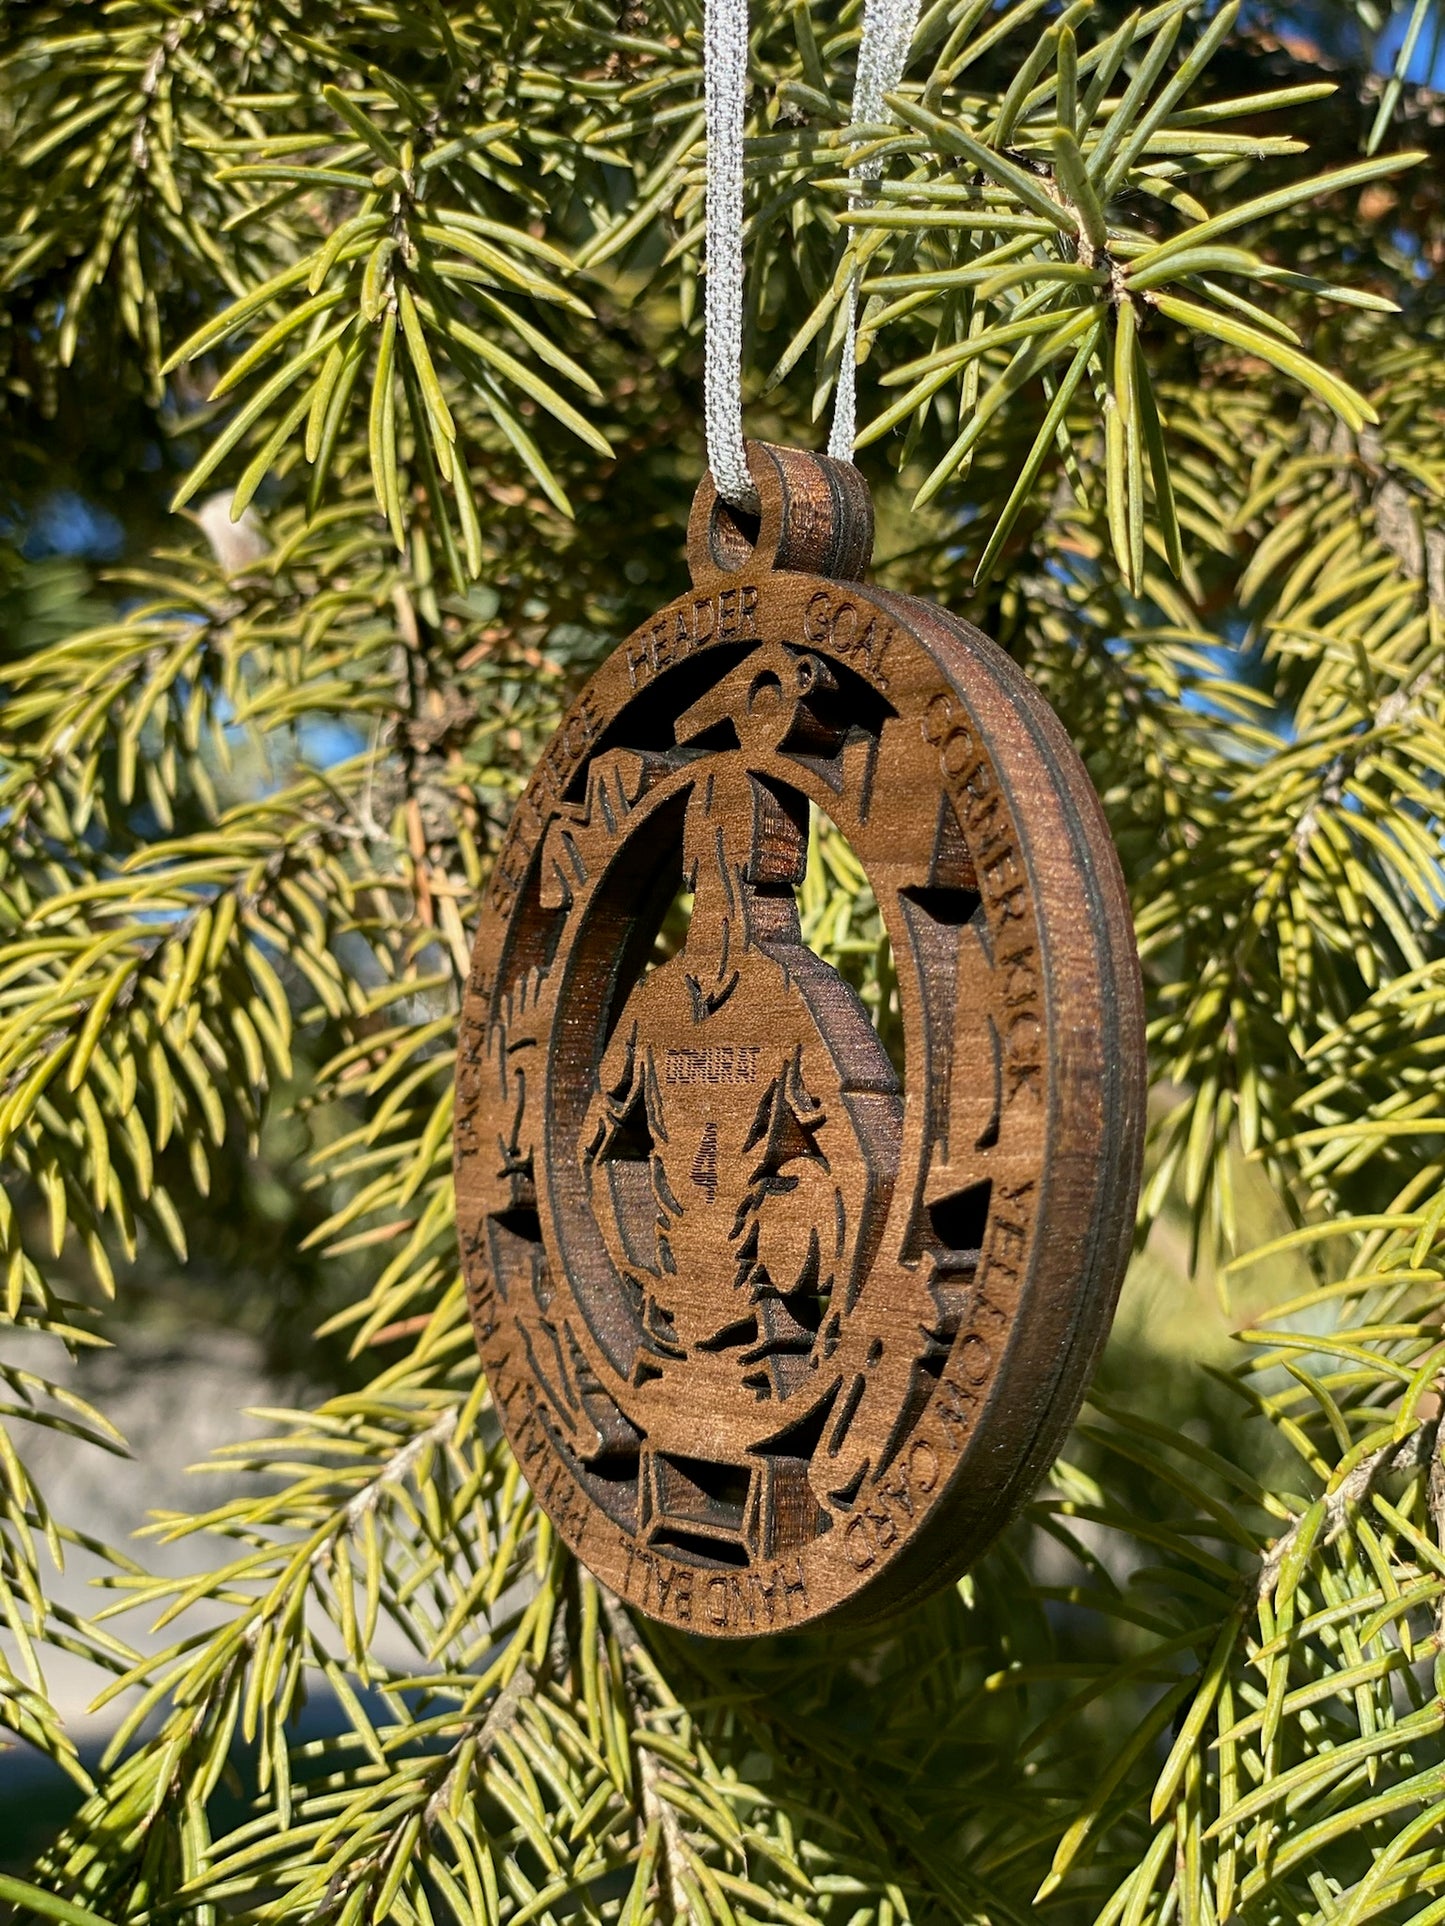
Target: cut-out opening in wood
x,y
733,534
841,924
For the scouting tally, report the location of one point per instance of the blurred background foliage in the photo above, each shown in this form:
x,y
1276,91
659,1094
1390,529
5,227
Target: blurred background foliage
x,y
350,370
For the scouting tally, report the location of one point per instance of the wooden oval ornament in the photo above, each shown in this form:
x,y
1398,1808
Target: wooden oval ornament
x,y
773,1331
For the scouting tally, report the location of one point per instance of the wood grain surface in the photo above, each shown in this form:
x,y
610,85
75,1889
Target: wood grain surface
x,y
779,1327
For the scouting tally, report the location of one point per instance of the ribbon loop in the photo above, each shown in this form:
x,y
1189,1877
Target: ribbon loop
x,y
888,28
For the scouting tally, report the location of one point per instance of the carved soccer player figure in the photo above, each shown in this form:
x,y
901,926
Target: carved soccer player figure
x,y
742,1142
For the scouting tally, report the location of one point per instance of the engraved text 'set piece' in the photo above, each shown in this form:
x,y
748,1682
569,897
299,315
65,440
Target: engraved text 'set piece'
x,y
775,1325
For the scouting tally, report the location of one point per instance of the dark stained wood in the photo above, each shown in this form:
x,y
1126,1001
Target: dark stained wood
x,y
775,1332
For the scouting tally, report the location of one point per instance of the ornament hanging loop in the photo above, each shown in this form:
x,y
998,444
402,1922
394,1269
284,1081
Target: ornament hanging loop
x,y
888,29
815,517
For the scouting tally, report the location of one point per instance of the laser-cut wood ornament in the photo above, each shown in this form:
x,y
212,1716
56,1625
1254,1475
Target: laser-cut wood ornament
x,y
772,1332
